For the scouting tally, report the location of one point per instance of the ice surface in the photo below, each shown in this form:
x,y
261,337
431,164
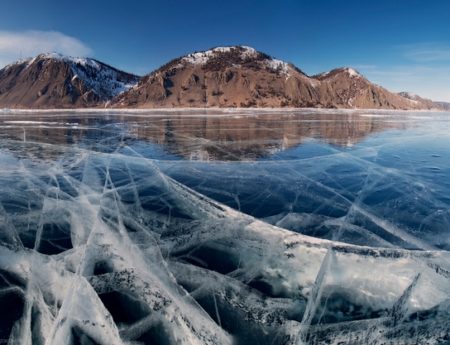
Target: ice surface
x,y
298,228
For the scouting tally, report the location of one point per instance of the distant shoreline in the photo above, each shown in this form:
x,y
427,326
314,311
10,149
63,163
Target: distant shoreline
x,y
211,110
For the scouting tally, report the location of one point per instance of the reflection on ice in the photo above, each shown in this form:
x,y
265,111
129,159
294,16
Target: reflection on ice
x,y
107,238
216,137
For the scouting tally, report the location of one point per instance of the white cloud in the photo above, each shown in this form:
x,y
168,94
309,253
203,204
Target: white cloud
x,y
17,45
426,52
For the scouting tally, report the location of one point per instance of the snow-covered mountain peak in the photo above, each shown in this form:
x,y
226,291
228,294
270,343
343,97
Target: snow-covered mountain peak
x,y
104,80
236,56
351,72
72,78
203,57
56,57
79,61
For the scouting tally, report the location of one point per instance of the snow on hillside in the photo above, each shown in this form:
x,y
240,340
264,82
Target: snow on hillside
x,y
200,58
352,72
278,65
204,56
348,70
105,81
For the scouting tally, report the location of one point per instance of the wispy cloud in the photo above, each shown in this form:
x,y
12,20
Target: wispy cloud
x,y
422,68
426,52
16,45
427,81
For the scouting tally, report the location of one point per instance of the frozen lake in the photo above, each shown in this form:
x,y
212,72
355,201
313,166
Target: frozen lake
x,y
290,227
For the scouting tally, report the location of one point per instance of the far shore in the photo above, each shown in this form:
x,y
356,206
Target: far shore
x,y
210,111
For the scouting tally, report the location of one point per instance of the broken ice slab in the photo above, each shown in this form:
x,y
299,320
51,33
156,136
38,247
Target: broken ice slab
x,y
145,259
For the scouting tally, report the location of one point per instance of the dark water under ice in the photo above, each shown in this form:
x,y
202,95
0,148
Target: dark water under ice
x,y
188,228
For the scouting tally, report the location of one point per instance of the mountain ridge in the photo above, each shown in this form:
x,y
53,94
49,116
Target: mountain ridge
x,y
234,76
52,80
240,76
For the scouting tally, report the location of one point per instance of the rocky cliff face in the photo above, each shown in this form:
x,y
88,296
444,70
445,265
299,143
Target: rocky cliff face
x,y
243,77
55,81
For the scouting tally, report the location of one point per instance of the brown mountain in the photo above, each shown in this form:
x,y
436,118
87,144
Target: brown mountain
x,y
236,76
347,88
240,76
55,81
223,77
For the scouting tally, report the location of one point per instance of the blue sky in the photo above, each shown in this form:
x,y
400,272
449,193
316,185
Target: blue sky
x,y
399,44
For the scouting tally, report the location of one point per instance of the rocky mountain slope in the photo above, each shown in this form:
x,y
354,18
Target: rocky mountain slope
x,y
420,100
240,76
56,81
223,77
347,88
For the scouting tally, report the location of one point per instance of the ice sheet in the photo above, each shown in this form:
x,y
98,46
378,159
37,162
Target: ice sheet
x,y
113,232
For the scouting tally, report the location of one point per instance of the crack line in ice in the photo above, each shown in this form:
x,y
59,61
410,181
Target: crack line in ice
x,y
158,244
